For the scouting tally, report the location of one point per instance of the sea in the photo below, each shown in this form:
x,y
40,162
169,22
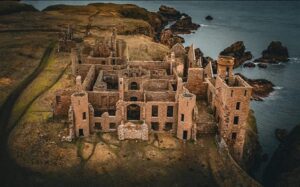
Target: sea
x,y
257,23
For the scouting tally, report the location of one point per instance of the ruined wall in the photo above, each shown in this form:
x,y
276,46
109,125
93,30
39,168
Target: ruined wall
x,y
105,123
132,94
156,85
161,117
160,96
62,102
195,82
82,70
103,100
89,79
151,65
131,131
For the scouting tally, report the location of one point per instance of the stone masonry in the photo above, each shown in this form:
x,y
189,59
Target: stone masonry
x,y
135,98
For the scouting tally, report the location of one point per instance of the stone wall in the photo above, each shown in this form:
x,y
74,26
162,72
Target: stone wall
x,y
227,99
133,131
62,102
89,79
104,99
161,117
195,82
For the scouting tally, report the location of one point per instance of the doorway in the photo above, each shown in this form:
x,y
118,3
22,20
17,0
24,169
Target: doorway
x,y
185,133
133,112
81,132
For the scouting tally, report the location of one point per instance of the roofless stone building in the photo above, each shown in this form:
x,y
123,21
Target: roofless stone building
x,y
136,98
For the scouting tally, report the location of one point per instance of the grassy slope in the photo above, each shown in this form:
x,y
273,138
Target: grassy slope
x,y
36,137
9,7
20,54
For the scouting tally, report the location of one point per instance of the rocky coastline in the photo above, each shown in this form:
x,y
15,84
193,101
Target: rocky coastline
x,y
284,167
261,87
169,37
182,25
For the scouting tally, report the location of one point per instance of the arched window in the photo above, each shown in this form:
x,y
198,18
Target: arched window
x,y
133,112
134,86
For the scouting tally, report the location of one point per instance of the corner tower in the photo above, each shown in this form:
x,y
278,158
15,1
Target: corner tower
x,y
80,106
186,105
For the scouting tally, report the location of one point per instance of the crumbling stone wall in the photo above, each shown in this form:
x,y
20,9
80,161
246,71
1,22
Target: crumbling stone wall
x,y
89,79
132,131
62,102
162,118
195,82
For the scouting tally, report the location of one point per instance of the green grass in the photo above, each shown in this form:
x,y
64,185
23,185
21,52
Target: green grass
x,y
43,82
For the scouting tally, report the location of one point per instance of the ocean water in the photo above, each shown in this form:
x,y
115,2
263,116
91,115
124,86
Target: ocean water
x,y
256,23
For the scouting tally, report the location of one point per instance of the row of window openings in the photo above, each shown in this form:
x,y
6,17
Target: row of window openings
x,y
235,120
155,111
98,126
155,126
245,93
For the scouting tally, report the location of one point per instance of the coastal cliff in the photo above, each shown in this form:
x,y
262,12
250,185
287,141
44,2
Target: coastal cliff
x,y
35,141
284,167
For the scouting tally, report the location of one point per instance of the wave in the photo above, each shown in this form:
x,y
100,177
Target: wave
x,y
277,87
278,64
294,58
203,25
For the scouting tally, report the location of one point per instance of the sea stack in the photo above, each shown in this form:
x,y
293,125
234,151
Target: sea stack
x,y
275,53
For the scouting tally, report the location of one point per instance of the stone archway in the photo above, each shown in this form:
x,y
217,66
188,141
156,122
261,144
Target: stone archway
x,y
133,112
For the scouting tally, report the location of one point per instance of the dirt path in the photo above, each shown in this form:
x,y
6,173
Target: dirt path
x,y
10,173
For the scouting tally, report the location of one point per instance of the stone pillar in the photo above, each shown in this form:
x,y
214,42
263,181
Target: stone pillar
x,y
78,83
145,132
121,131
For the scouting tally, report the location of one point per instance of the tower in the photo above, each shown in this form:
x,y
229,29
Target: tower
x,y
186,105
80,106
225,67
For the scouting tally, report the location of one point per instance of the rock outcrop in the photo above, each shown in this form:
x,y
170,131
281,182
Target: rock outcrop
x,y
184,25
169,13
168,38
284,167
237,50
249,65
281,134
262,65
275,53
209,18
261,87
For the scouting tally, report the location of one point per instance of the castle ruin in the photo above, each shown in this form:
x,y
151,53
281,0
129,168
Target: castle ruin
x,y
136,98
